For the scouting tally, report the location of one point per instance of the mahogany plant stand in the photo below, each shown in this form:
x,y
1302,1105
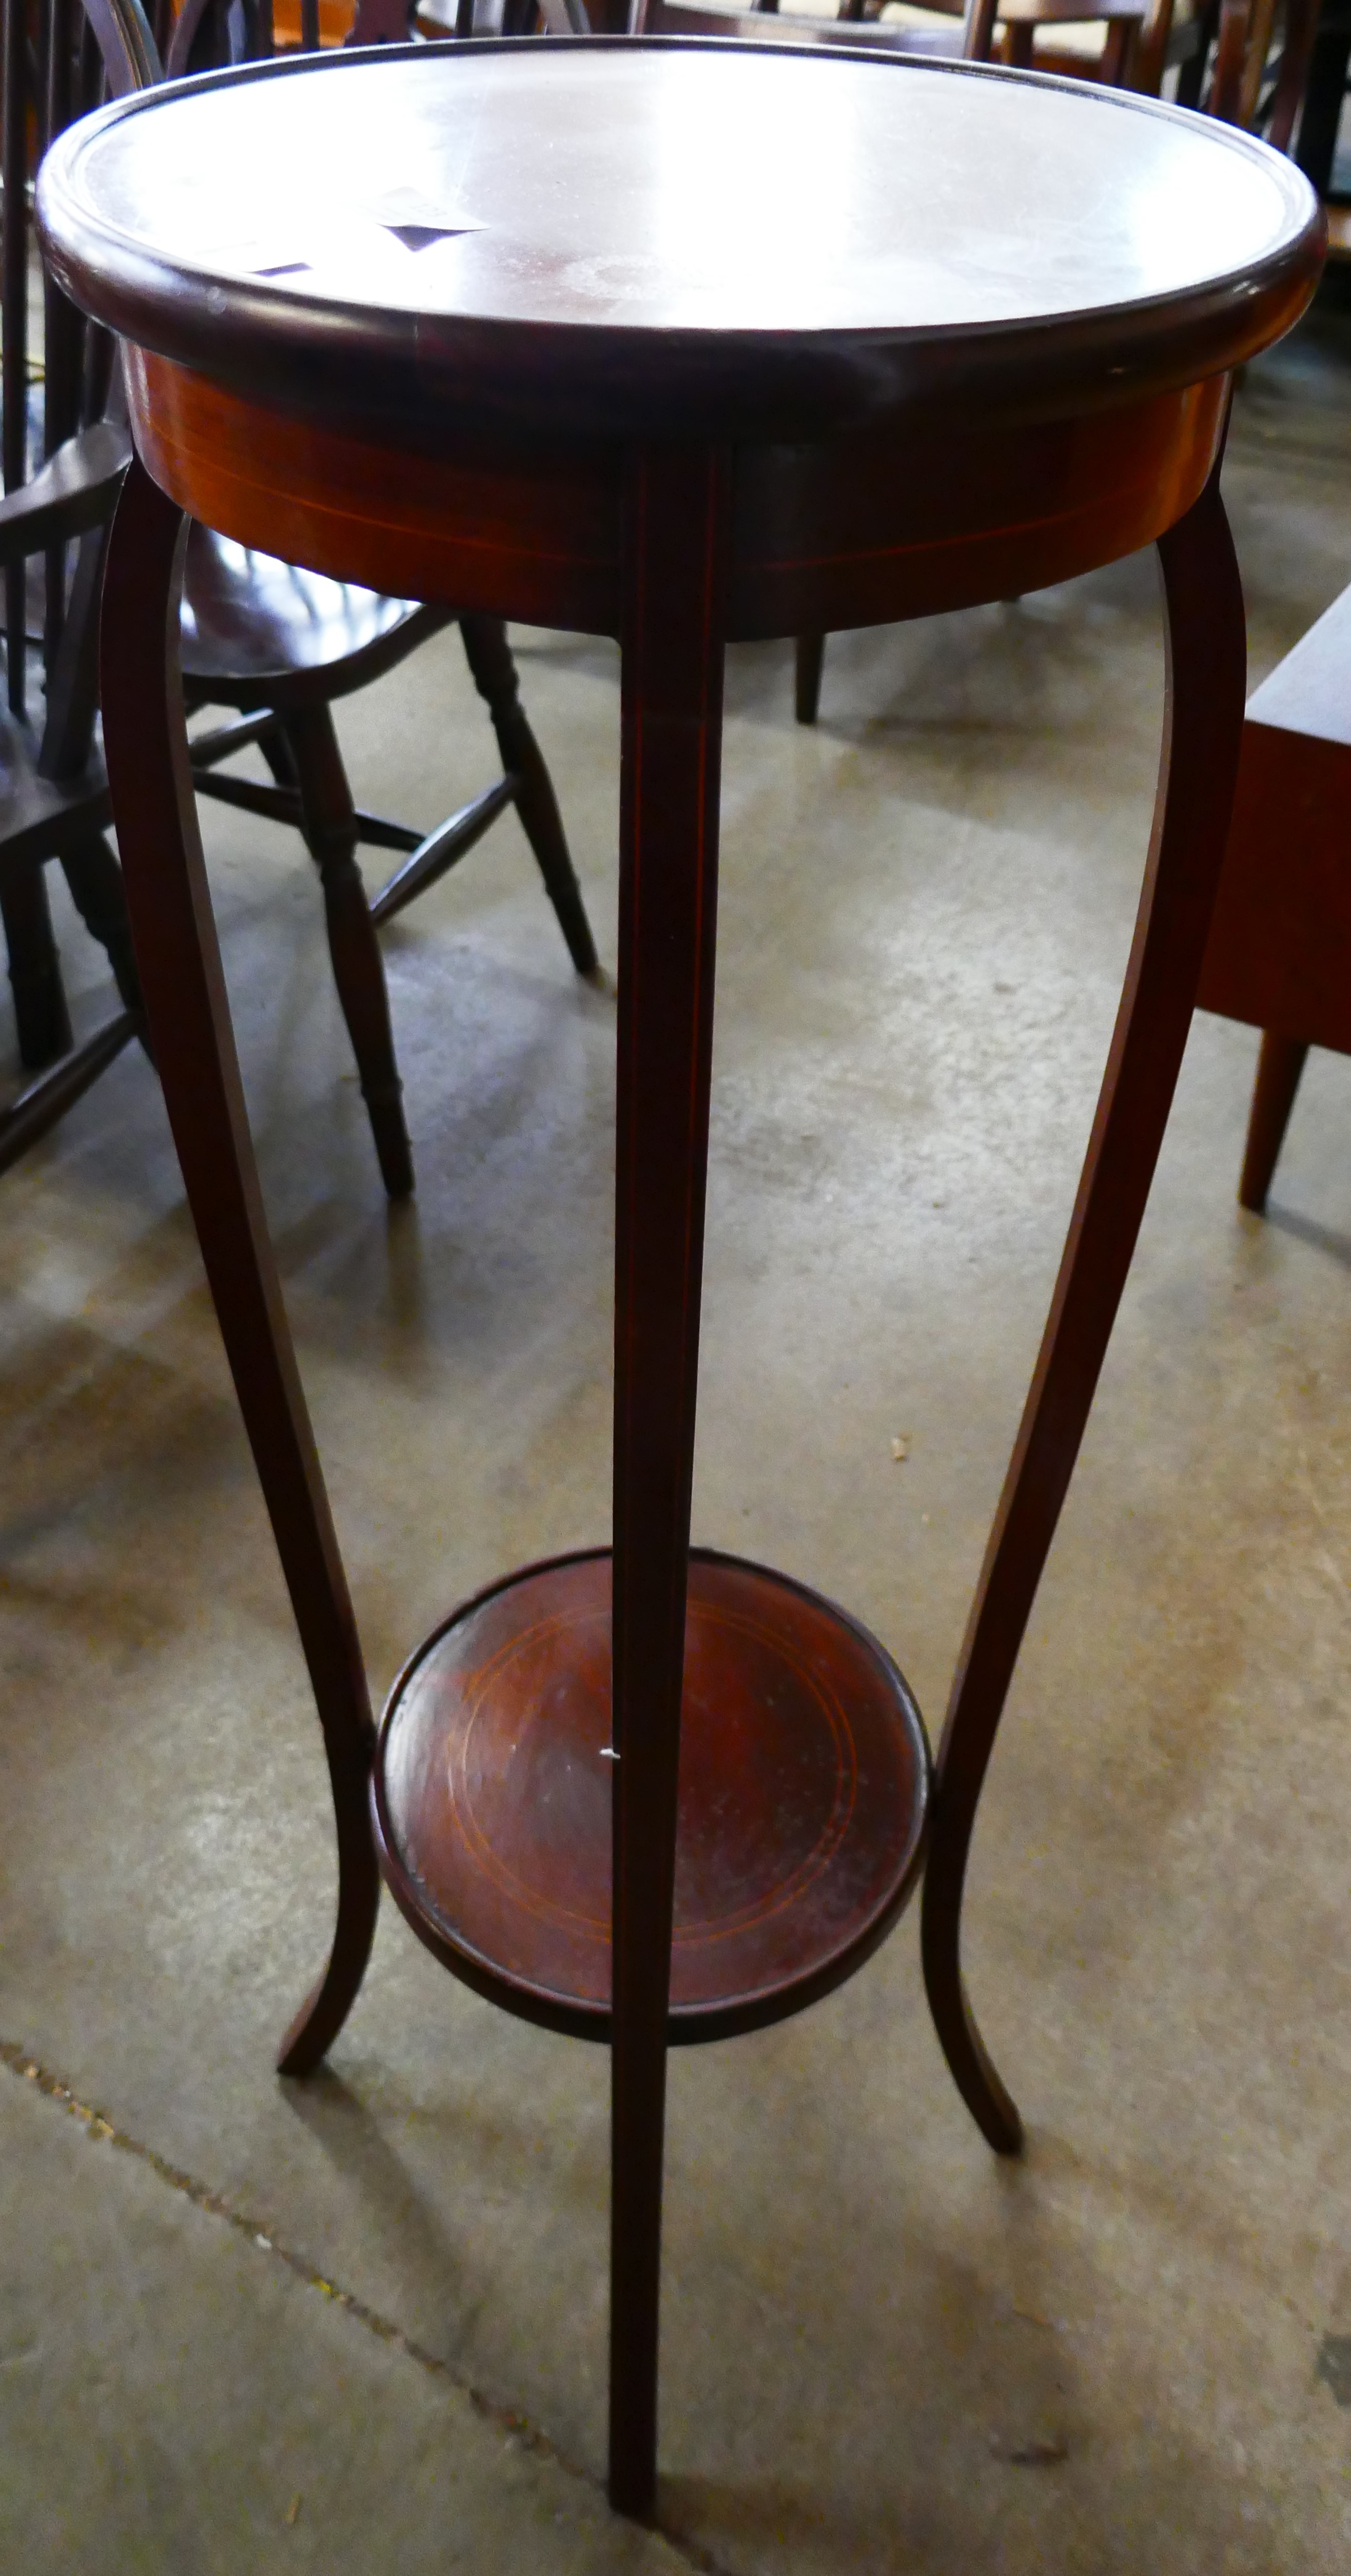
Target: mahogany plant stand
x,y
649,1794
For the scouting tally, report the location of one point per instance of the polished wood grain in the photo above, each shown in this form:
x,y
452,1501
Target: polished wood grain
x,y
260,632
802,1797
821,535
579,376
546,295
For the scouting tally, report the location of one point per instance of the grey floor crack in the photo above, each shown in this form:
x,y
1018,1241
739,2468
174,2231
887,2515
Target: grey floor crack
x,y
514,2428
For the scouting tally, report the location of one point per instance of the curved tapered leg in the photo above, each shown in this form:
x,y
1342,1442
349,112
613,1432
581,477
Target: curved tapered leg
x,y
184,991
672,720
1279,1066
328,819
809,654
1203,720
494,674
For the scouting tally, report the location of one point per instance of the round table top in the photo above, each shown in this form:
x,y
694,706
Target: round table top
x,y
620,236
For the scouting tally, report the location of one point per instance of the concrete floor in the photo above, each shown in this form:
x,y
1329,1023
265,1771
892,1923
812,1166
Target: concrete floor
x,y
383,2293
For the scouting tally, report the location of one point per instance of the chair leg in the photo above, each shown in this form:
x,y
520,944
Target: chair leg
x,y
95,883
494,674
276,752
358,968
810,655
1279,1066
40,1013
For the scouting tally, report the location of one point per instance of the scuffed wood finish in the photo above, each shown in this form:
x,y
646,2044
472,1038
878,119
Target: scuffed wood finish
x,y
565,397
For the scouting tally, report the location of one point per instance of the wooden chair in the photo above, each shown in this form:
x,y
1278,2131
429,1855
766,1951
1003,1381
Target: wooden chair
x,y
969,34
1249,64
277,646
54,800
1227,71
1011,36
1325,97
1280,939
954,30
960,33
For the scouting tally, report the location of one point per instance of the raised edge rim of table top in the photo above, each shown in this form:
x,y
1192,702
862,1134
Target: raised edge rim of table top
x,y
421,370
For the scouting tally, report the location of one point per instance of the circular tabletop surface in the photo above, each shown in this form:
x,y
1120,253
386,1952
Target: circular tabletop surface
x,y
610,228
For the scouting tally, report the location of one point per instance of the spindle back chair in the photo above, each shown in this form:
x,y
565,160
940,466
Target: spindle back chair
x,y
277,646
1224,74
62,469
970,36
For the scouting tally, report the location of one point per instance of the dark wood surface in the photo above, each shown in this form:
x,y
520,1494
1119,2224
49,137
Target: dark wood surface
x,y
1281,933
1203,605
939,41
62,472
263,636
969,36
803,1794
1007,335
184,985
487,234
1280,1063
261,632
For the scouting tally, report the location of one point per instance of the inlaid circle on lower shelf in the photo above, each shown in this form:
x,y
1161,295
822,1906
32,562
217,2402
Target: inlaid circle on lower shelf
x,y
804,1775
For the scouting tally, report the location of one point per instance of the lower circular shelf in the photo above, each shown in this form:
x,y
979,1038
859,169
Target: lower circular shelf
x,y
804,1786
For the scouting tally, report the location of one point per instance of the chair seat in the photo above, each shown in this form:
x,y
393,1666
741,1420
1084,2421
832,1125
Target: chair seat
x,y
258,632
